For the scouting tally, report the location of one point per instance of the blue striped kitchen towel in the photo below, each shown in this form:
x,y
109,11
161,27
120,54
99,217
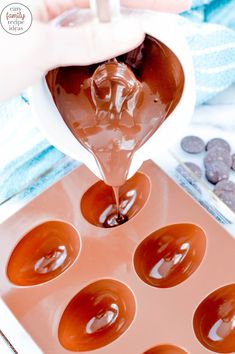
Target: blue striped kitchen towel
x,y
210,31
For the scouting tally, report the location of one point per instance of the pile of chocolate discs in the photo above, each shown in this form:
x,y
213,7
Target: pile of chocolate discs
x,y
218,163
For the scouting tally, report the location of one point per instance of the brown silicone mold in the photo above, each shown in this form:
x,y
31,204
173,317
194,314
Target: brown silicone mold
x,y
214,320
170,255
99,200
43,253
96,316
101,304
165,349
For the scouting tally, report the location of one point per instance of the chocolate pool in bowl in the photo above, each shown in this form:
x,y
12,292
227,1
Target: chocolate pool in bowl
x,y
214,320
165,349
98,204
96,316
43,253
113,108
170,255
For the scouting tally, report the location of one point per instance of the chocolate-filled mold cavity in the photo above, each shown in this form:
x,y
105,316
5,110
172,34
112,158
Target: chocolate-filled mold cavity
x,y
96,316
43,253
165,349
98,203
214,320
170,255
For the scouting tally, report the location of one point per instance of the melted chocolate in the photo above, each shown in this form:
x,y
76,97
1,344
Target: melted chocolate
x,y
98,204
170,255
214,320
96,316
43,253
115,107
115,219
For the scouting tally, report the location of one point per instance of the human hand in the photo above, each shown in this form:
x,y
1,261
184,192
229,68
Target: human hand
x,y
27,57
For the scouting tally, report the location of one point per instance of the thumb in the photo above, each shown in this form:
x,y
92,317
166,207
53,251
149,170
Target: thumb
x,y
94,42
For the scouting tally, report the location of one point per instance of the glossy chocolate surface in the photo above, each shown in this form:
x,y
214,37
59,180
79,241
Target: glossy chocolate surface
x,y
165,349
115,107
98,204
96,316
214,320
170,255
43,253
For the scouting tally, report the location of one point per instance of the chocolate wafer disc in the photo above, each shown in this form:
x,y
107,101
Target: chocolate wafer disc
x,y
218,154
186,174
192,144
225,190
233,162
218,142
217,171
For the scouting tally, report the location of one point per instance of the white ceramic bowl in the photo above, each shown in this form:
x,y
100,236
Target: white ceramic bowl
x,y
163,27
